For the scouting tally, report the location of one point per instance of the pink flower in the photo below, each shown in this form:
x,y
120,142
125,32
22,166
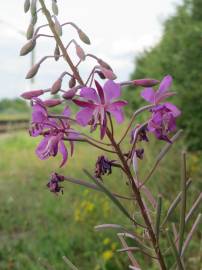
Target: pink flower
x,y
162,93
97,104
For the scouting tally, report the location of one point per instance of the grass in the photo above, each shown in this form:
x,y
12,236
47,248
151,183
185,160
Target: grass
x,y
38,228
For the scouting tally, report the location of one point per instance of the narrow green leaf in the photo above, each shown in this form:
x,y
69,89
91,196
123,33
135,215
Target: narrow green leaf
x,y
183,201
110,195
158,216
174,250
69,263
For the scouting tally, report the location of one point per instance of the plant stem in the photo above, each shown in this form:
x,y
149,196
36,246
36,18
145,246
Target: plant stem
x,y
139,200
59,42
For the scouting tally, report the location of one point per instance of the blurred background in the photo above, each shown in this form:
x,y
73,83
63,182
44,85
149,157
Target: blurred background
x,y
139,39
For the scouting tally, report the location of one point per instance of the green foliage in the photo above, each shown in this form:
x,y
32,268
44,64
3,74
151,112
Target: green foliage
x,y
179,53
12,106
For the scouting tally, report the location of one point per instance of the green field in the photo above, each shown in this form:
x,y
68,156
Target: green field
x,y
37,228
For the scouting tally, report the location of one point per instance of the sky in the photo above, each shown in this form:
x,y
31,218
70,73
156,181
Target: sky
x,y
118,30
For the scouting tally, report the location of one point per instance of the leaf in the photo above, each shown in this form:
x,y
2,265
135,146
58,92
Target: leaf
x,y
110,195
189,237
108,226
69,263
183,201
194,207
158,216
175,252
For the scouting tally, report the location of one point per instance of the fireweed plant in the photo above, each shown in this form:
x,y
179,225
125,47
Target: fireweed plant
x,y
98,99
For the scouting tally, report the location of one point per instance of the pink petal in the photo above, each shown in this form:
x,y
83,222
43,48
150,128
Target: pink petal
x,y
165,84
89,93
41,147
84,103
112,90
84,116
66,112
63,151
117,114
148,94
100,92
176,112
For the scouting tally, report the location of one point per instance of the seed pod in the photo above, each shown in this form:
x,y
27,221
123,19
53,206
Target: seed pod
x,y
80,53
30,31
34,19
83,37
56,86
52,102
54,7
58,27
33,7
72,82
32,94
145,82
56,53
70,94
108,73
28,47
26,6
104,64
33,71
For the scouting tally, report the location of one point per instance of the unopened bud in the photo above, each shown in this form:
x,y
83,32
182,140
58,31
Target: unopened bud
x,y
80,53
32,94
52,102
56,86
34,19
26,5
145,82
30,31
56,53
28,47
33,7
101,75
103,64
72,82
70,94
108,73
54,7
33,71
58,27
83,37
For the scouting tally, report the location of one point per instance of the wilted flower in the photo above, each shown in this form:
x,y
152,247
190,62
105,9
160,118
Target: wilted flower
x,y
98,104
103,166
139,153
142,134
163,120
54,183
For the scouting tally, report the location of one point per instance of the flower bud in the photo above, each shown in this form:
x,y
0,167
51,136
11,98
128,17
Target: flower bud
x,y
72,82
83,37
145,82
52,102
54,7
101,75
30,31
56,53
70,94
80,53
32,94
108,73
58,27
34,19
26,6
56,86
33,71
28,47
33,7
103,64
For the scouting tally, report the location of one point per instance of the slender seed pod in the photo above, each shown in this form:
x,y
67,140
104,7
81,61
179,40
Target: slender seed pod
x,y
58,27
26,6
34,19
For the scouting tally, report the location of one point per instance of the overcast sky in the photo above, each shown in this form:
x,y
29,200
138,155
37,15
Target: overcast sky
x,y
118,30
